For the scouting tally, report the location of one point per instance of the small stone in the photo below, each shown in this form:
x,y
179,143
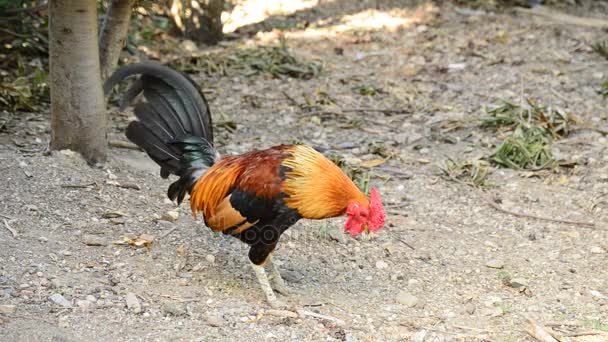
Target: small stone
x,y
495,263
214,320
406,298
518,282
133,302
60,300
597,250
381,265
44,282
93,240
292,276
91,298
210,258
83,304
174,308
337,234
170,216
470,308
281,313
7,309
63,322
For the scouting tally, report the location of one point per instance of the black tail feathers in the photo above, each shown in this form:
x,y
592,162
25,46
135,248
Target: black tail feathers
x,y
174,125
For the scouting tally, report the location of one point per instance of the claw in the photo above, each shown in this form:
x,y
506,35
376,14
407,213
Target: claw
x,y
278,284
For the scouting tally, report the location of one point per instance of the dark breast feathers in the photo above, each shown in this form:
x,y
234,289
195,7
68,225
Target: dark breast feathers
x,y
242,196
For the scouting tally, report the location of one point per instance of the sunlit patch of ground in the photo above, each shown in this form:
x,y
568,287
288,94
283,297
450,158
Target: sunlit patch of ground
x,y
253,11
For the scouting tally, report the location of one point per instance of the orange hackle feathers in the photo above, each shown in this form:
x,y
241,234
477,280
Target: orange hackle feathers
x,y
211,188
316,187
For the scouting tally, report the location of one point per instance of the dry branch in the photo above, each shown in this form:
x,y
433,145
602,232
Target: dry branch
x,y
113,34
563,18
494,205
539,332
124,144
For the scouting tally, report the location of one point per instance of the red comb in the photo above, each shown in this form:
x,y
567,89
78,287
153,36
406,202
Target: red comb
x,y
376,220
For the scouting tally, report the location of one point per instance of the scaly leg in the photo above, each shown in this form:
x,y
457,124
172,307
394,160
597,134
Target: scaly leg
x,y
260,273
276,279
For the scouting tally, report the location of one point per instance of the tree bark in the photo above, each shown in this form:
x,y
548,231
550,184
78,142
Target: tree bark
x,y
78,116
199,20
113,34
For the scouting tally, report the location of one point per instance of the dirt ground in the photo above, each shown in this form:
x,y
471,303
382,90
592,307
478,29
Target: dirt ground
x,y
440,269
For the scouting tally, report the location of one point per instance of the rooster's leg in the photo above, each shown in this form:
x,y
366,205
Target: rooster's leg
x,y
260,273
276,279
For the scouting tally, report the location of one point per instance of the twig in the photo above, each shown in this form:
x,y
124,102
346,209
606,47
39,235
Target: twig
x,y
18,35
6,217
473,328
291,99
585,333
77,186
181,300
494,205
168,232
133,186
539,332
558,94
564,323
396,205
542,11
25,9
124,144
10,229
320,316
407,244
381,110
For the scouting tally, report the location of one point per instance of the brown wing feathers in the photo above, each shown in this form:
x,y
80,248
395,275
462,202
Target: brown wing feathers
x,y
238,192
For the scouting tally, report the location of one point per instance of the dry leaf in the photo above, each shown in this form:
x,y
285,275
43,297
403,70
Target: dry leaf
x,y
563,180
113,214
373,162
144,240
180,250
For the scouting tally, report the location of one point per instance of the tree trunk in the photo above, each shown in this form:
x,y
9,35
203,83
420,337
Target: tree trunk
x,y
78,116
199,20
113,34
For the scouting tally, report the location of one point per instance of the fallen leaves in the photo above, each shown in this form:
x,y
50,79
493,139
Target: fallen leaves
x,y
144,240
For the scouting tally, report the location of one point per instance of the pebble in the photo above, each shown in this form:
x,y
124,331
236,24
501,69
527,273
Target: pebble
x,y
282,313
292,276
170,216
518,282
174,308
91,298
470,308
381,265
210,258
7,309
406,298
60,300
133,302
495,263
336,234
214,320
83,304
93,240
597,250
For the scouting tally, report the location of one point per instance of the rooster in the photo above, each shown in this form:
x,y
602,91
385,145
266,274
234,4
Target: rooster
x,y
254,196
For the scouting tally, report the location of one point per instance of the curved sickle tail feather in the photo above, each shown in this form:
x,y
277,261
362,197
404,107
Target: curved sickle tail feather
x,y
174,125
